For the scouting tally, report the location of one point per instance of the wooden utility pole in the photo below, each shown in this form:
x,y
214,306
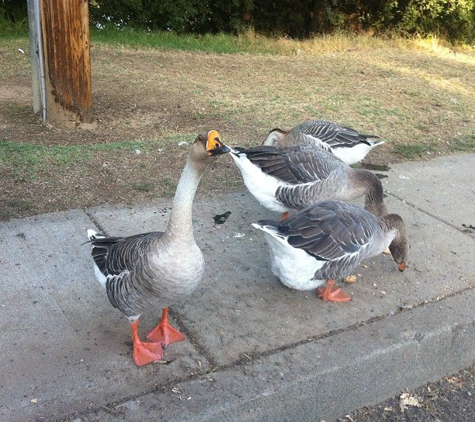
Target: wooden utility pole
x,y
66,59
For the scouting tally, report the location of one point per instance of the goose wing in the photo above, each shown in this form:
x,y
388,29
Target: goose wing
x,y
116,255
117,259
294,164
333,134
330,230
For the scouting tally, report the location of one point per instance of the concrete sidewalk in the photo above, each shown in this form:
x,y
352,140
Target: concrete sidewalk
x,y
255,350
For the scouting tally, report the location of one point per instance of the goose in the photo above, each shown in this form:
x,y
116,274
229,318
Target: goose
x,y
151,270
327,241
293,177
345,142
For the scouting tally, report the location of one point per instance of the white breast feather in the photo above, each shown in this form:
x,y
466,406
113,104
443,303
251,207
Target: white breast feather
x,y
354,154
261,185
294,267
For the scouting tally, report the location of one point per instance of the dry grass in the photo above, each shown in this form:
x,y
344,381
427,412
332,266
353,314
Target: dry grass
x,y
340,42
418,97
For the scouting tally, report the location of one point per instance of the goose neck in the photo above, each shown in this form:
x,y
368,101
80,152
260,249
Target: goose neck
x,y
274,138
180,222
374,193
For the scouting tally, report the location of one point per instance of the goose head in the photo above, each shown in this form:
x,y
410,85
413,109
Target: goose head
x,y
207,147
399,247
275,136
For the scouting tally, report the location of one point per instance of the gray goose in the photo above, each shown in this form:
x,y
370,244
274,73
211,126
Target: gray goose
x,y
345,142
293,177
153,270
327,241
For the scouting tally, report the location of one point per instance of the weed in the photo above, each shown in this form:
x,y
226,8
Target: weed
x,y
10,208
143,186
168,186
17,111
466,144
412,151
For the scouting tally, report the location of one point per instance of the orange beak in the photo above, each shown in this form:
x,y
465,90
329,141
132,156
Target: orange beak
x,y
402,266
214,146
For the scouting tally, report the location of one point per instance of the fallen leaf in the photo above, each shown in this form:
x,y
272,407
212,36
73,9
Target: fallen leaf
x,y
454,381
406,400
350,279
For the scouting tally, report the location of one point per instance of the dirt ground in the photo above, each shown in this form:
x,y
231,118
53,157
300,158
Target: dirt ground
x,y
451,399
160,99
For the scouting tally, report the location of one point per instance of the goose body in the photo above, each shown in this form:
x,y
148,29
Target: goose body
x,y
345,142
153,270
293,177
327,241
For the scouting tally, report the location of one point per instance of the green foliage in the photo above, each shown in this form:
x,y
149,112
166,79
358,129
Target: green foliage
x,y
179,16
450,19
13,11
453,19
13,18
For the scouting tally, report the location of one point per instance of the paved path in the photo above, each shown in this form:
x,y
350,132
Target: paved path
x,y
255,350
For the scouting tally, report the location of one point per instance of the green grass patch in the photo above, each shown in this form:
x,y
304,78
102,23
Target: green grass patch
x,y
413,151
10,208
32,159
252,43
17,111
466,144
13,30
143,186
168,186
248,42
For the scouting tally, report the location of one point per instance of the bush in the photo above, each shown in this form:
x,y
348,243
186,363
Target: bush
x,y
13,18
450,19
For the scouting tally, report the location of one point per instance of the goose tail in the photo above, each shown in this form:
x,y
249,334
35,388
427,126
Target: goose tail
x,y
93,235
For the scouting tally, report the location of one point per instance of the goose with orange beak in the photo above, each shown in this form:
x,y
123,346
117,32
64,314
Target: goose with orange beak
x,y
327,241
153,270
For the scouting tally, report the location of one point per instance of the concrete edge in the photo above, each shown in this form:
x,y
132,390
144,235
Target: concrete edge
x,y
371,363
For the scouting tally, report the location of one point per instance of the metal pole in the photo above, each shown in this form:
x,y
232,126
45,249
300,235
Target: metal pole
x,y
35,71
39,52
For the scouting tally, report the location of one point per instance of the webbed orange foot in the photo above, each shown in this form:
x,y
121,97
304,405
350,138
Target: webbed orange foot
x,y
164,333
332,294
144,353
